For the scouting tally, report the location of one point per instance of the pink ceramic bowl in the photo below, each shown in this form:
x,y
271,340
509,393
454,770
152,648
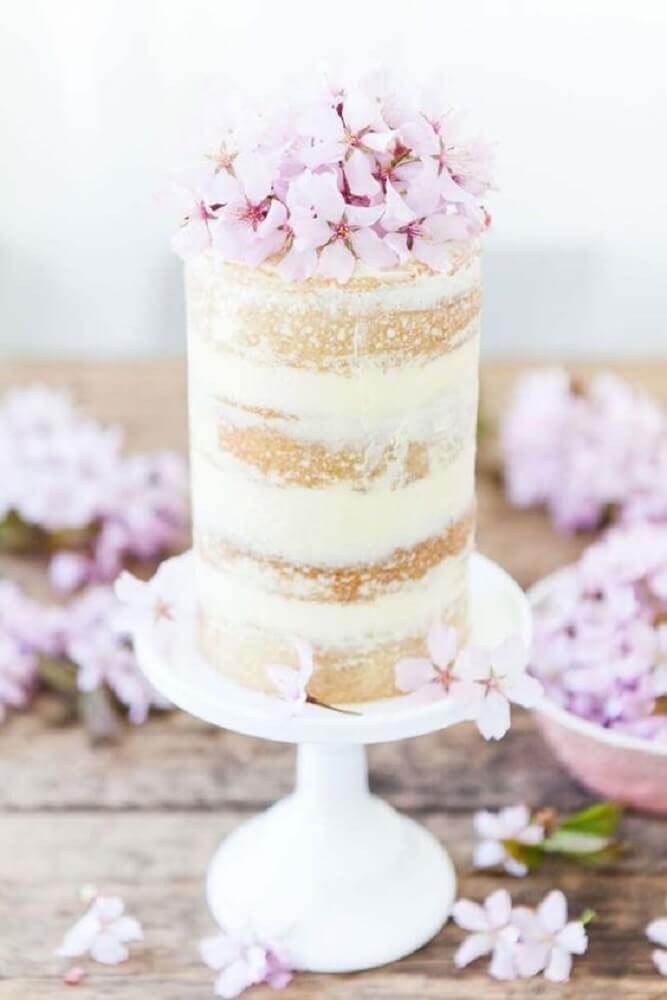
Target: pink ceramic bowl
x,y
611,764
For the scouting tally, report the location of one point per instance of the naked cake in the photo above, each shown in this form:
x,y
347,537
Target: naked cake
x,y
333,295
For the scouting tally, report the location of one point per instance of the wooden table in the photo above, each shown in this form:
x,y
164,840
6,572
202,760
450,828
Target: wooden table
x,y
142,819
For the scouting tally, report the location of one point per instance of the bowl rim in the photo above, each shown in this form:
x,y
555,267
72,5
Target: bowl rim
x,y
576,723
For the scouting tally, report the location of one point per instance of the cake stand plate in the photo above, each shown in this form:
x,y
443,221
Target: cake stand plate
x,y
331,874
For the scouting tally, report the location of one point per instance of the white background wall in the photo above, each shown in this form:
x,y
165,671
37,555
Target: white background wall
x,y
100,97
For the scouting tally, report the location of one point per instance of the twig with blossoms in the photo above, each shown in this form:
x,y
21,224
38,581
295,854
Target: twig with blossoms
x,y
353,176
520,841
67,490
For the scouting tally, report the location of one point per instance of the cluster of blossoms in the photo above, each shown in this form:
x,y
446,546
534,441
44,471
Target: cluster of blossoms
x,y
353,175
86,638
480,683
66,486
522,942
588,453
600,643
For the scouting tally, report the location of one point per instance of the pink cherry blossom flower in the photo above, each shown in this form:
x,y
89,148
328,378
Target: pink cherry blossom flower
x,y
434,676
322,220
199,191
242,961
492,933
496,678
160,604
290,683
548,939
656,932
103,932
68,571
416,224
18,673
339,127
249,225
512,823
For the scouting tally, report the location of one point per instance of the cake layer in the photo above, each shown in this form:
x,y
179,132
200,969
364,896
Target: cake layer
x,y
343,674
413,606
371,396
358,582
328,328
337,526
315,451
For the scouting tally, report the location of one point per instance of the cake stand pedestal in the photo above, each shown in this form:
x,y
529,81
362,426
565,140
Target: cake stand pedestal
x,y
331,873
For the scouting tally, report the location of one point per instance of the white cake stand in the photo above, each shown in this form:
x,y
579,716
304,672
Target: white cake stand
x,y
331,872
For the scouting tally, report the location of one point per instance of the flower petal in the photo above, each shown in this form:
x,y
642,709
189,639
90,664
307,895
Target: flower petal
x,y
373,251
470,916
442,644
255,176
573,937
359,174
657,931
660,960
108,950
336,261
559,966
411,674
472,948
493,715
552,911
498,907
488,854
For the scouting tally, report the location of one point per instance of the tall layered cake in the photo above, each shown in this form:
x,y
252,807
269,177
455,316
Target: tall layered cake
x,y
333,290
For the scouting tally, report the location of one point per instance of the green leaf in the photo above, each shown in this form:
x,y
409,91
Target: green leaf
x,y
530,855
602,818
574,842
588,916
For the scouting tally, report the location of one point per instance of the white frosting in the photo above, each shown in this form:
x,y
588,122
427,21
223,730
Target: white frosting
x,y
368,398
336,526
407,612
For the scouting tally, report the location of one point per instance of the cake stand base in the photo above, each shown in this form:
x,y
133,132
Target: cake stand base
x,y
345,880
331,874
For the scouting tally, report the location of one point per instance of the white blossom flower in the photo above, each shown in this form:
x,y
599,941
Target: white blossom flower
x,y
512,823
548,939
657,933
103,932
493,933
495,678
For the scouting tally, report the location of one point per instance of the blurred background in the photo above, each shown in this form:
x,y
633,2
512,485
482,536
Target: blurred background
x,y
100,99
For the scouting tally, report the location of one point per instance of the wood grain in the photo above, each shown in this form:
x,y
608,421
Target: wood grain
x,y
143,818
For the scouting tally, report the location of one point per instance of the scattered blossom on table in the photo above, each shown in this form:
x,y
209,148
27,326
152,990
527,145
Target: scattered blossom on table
x,y
241,960
522,942
103,932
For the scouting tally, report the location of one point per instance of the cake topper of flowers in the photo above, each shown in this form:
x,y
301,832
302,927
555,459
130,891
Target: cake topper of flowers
x,y
349,176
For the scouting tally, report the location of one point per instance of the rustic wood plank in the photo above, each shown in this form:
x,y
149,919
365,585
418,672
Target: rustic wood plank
x,y
157,862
